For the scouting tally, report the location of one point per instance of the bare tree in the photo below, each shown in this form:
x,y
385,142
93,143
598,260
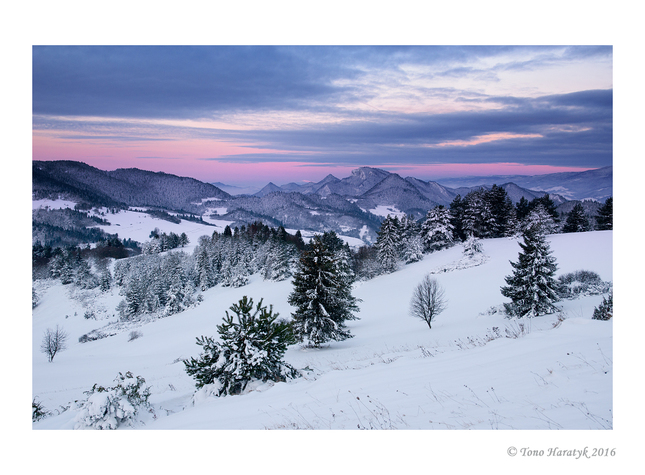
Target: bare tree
x,y
428,300
53,342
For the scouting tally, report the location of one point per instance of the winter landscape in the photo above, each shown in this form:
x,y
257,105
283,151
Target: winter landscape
x,y
413,241
458,369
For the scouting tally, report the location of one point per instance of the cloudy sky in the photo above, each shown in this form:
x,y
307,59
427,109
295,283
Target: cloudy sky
x,y
249,115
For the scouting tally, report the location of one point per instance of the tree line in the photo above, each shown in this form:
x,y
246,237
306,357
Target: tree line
x,y
480,214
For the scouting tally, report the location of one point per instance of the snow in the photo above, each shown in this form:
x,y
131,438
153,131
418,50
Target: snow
x,y
394,374
137,225
52,204
217,211
384,210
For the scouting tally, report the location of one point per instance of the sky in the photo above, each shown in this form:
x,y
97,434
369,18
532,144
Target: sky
x,y
246,115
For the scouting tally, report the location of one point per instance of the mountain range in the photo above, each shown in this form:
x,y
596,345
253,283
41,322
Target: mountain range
x,y
353,206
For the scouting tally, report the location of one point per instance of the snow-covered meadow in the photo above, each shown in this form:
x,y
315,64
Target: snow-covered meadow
x,y
464,373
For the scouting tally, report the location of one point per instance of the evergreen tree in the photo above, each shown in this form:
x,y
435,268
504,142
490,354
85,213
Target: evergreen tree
x,y
540,220
605,310
322,295
475,214
437,229
105,280
411,243
532,287
605,216
522,208
387,244
204,270
501,218
251,349
576,222
457,211
549,206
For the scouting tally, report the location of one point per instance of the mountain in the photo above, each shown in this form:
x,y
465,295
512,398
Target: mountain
x,y
270,188
352,206
433,191
514,192
121,188
394,191
361,180
235,190
305,212
591,184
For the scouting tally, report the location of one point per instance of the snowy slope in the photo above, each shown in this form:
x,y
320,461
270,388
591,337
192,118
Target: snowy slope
x,y
395,372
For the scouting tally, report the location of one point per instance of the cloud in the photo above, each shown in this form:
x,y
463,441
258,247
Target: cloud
x,y
359,105
207,81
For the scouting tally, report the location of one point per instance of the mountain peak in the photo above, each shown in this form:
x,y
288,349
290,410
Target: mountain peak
x,y
269,188
365,172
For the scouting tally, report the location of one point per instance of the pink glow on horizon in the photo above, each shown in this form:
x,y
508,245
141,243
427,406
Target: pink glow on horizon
x,y
199,159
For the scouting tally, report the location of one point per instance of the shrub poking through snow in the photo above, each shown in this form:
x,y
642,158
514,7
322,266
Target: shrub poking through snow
x,y
605,310
251,349
134,335
109,408
581,283
38,411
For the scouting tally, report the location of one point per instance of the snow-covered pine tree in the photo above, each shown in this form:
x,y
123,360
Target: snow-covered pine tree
x,y
411,243
83,276
278,263
532,287
437,230
540,220
251,348
472,247
322,295
105,280
576,222
457,212
387,244
203,267
180,290
477,215
501,220
605,216
605,310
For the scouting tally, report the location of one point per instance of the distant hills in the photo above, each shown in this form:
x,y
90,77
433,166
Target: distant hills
x,y
120,188
353,206
591,184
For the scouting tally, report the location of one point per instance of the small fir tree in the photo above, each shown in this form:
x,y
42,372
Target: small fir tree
x,y
411,243
576,222
532,287
388,244
252,345
605,310
539,220
322,295
605,216
437,230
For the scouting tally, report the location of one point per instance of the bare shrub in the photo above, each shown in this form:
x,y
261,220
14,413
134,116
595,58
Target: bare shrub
x,y
53,342
134,335
428,300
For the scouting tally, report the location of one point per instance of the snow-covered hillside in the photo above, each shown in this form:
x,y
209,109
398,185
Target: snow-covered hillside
x,y
395,373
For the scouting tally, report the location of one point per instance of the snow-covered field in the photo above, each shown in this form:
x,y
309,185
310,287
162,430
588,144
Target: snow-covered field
x,y
383,210
395,373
